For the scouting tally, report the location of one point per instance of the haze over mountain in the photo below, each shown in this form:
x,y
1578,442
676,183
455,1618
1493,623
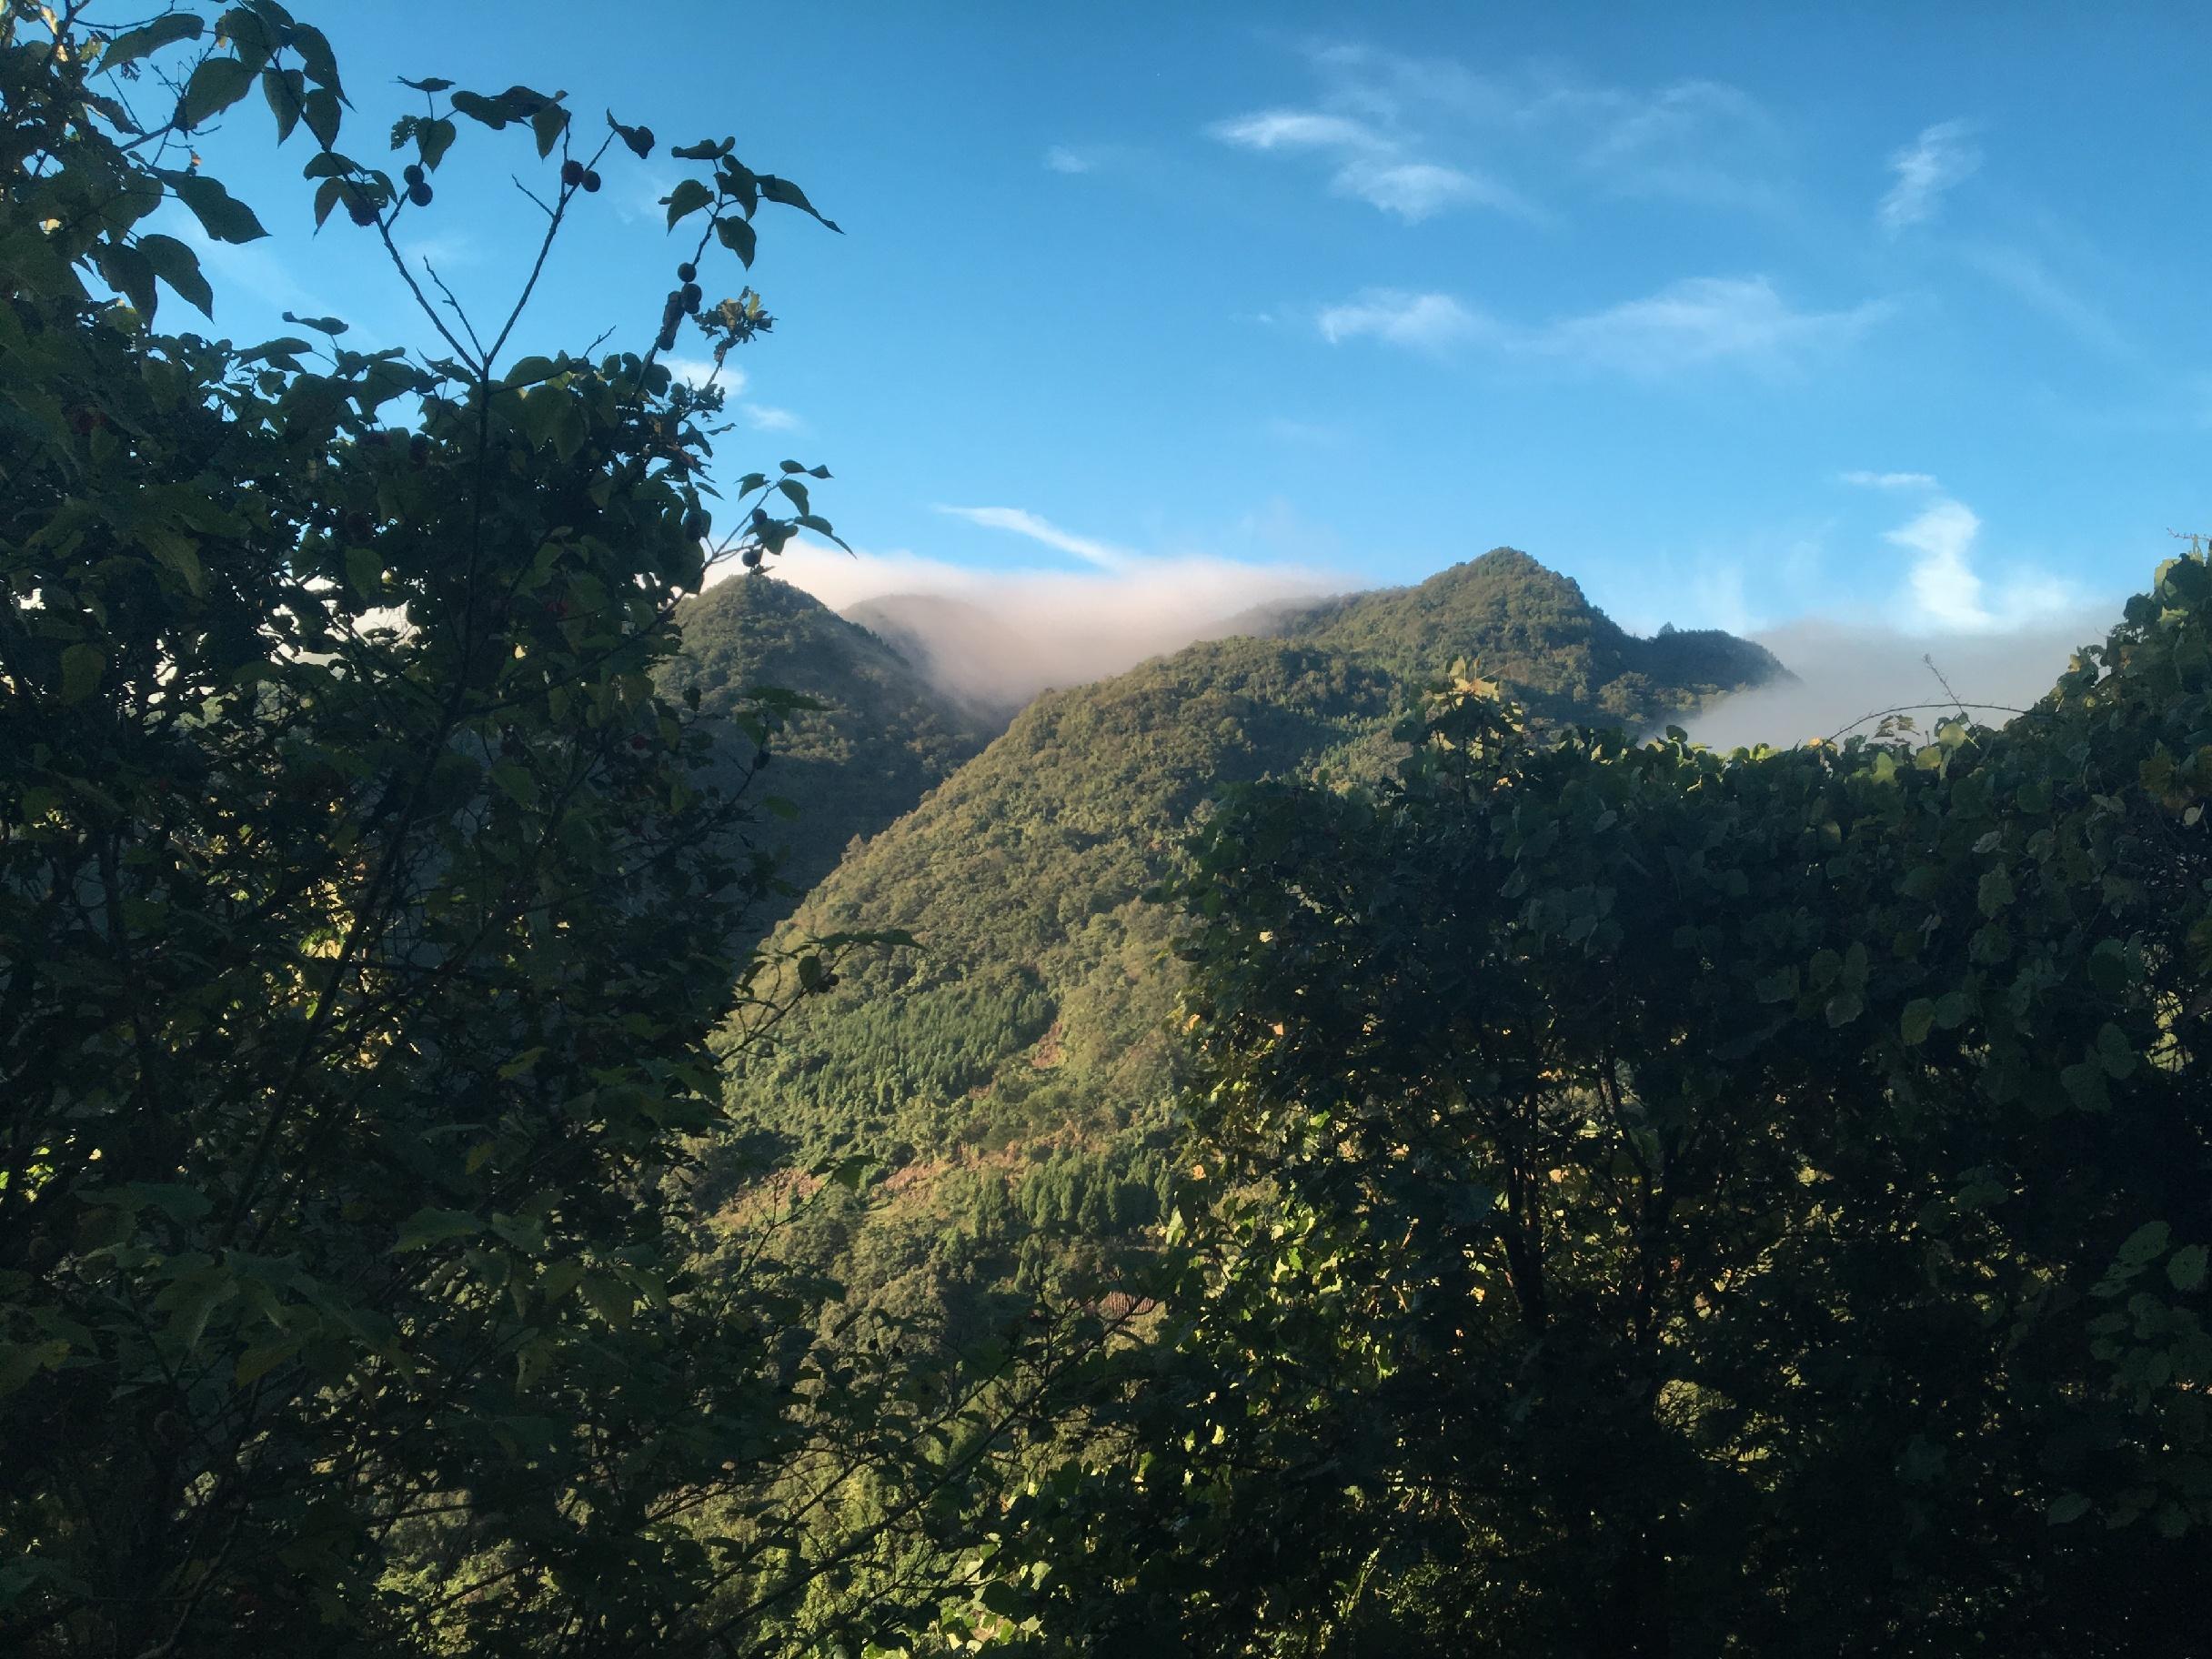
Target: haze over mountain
x,y
1031,1027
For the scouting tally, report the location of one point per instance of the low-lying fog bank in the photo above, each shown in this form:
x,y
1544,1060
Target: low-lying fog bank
x,y
1846,670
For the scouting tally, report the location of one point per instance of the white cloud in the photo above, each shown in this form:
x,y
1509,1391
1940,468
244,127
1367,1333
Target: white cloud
x,y
1698,321
1941,158
999,636
1420,321
699,371
1695,140
1297,129
1021,521
1891,481
1372,166
1416,190
1687,324
1944,585
765,417
1949,595
1060,159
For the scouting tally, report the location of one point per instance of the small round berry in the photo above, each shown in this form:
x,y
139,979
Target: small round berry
x,y
572,173
687,272
591,180
413,173
419,193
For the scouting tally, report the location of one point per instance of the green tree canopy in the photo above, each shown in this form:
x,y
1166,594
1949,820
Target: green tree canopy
x,y
363,917
1665,1202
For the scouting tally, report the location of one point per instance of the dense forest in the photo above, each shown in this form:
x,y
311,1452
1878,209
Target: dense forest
x,y
1030,1031
555,1105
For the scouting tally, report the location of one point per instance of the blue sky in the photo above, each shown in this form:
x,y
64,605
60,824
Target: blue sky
x,y
1736,315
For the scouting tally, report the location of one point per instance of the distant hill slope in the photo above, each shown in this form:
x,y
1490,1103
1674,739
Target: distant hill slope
x,y
1016,1069
883,737
1532,631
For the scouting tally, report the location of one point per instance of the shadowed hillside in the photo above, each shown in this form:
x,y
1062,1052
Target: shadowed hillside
x,y
881,736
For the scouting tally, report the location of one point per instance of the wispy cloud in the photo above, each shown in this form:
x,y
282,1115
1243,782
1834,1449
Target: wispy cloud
x,y
1061,158
1298,130
2035,283
1696,139
765,417
1021,521
1370,165
1891,481
1700,321
1704,320
1943,157
1420,321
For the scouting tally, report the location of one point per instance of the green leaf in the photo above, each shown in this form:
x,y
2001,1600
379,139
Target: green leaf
x,y
127,271
688,196
479,108
179,267
2070,1506
2085,1085
286,90
2146,1244
737,236
610,1299
1994,891
132,44
257,1362
548,124
82,665
516,783
428,1227
323,114
215,86
1951,1010
1917,1021
365,573
314,49
790,196
2114,1051
221,214
1780,986
20,1362
433,139
2185,1271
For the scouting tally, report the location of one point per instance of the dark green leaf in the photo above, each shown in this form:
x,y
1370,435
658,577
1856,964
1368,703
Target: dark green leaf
x,y
215,86
179,267
548,124
221,214
132,44
688,196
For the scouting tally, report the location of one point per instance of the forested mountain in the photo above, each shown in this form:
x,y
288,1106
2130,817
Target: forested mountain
x,y
1557,654
879,734
1023,1051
